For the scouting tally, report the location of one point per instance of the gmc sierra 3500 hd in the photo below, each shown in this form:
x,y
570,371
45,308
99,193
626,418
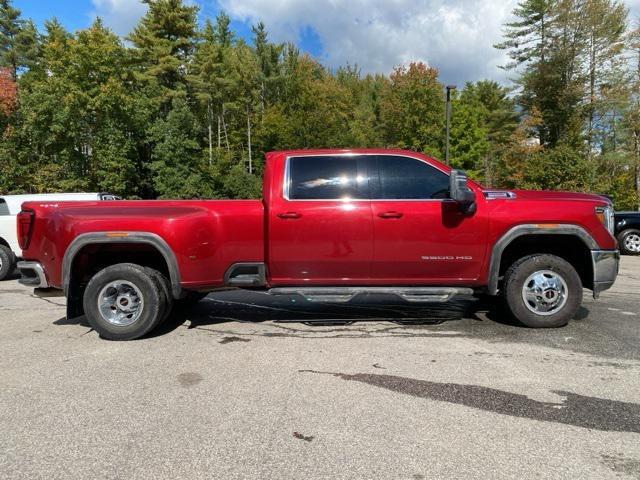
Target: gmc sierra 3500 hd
x,y
332,224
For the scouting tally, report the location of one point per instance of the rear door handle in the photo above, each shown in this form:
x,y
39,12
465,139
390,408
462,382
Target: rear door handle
x,y
391,214
289,215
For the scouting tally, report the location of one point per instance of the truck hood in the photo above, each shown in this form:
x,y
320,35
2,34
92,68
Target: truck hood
x,y
558,196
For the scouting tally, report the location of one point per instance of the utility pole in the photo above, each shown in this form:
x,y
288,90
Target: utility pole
x,y
448,118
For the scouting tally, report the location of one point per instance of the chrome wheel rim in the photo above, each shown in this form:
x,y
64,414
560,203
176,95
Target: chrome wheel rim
x,y
545,292
120,303
632,242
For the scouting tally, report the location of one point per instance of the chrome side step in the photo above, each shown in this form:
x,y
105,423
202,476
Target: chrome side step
x,y
345,294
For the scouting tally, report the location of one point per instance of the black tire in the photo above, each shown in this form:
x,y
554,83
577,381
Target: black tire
x,y
190,299
559,311
628,241
131,277
7,262
164,285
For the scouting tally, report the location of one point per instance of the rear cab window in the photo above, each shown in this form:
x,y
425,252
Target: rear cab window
x,y
326,177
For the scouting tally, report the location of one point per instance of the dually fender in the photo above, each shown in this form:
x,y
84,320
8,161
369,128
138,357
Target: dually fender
x,y
531,229
122,237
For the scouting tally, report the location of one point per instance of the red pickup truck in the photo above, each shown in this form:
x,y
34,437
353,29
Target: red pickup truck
x,y
333,224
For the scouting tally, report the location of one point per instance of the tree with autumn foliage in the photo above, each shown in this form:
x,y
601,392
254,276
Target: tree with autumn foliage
x,y
182,109
8,96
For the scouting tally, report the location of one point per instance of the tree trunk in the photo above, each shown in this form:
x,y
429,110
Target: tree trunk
x,y
487,171
224,127
592,91
636,167
262,95
219,132
210,128
249,138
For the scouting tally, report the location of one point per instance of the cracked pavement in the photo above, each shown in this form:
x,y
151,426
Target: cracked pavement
x,y
238,387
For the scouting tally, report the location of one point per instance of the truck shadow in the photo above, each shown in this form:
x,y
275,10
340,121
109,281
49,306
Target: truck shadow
x,y
221,313
295,317
257,307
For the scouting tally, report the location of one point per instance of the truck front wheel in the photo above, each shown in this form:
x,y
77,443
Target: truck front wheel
x,y
542,291
124,302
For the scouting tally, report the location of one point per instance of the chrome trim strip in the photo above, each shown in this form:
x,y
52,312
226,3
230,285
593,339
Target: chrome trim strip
x,y
132,237
345,294
286,184
37,281
606,264
498,195
531,229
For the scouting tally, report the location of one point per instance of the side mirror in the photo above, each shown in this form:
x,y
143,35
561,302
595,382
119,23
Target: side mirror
x,y
461,193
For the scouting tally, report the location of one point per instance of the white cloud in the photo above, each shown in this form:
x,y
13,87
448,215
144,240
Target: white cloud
x,y
456,36
119,15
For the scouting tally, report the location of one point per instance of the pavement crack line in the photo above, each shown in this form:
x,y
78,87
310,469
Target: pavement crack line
x,y
47,300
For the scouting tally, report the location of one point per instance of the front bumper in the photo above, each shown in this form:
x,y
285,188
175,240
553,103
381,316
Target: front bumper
x,y
606,264
32,274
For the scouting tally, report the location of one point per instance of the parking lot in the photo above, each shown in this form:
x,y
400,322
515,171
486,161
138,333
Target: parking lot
x,y
233,389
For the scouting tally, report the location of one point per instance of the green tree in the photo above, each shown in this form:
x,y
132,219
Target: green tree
x,y
560,168
544,45
176,162
163,44
18,39
469,137
412,109
499,119
605,43
80,116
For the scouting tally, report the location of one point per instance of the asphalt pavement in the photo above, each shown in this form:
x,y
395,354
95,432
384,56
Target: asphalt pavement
x,y
239,387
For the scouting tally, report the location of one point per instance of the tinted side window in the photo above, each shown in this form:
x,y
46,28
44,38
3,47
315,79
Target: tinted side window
x,y
4,208
324,178
405,178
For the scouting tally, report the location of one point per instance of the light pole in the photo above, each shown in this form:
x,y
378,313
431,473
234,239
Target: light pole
x,y
448,119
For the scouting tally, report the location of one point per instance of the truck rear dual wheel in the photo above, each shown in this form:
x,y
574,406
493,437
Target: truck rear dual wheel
x,y
7,262
126,301
542,291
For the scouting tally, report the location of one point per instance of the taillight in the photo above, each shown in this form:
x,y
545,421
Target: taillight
x,y
25,227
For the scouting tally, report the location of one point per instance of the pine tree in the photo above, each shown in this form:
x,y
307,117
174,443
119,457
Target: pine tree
x,y
605,42
164,42
498,117
176,165
18,39
544,46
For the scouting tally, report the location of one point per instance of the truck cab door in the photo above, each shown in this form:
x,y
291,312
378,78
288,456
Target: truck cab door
x,y
420,235
320,229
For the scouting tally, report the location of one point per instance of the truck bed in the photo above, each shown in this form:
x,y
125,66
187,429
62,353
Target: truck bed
x,y
206,236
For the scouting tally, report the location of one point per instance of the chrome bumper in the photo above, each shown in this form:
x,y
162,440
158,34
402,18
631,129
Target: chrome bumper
x,y
32,274
605,269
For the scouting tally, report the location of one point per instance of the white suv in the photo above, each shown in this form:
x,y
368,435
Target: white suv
x,y
10,206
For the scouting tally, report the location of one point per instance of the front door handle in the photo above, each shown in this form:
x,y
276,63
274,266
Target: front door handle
x,y
289,215
391,214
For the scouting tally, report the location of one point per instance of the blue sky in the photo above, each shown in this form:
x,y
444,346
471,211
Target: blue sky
x,y
77,14
455,36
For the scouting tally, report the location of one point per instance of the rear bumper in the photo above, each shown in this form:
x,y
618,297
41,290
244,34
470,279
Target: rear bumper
x,y
32,274
606,264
